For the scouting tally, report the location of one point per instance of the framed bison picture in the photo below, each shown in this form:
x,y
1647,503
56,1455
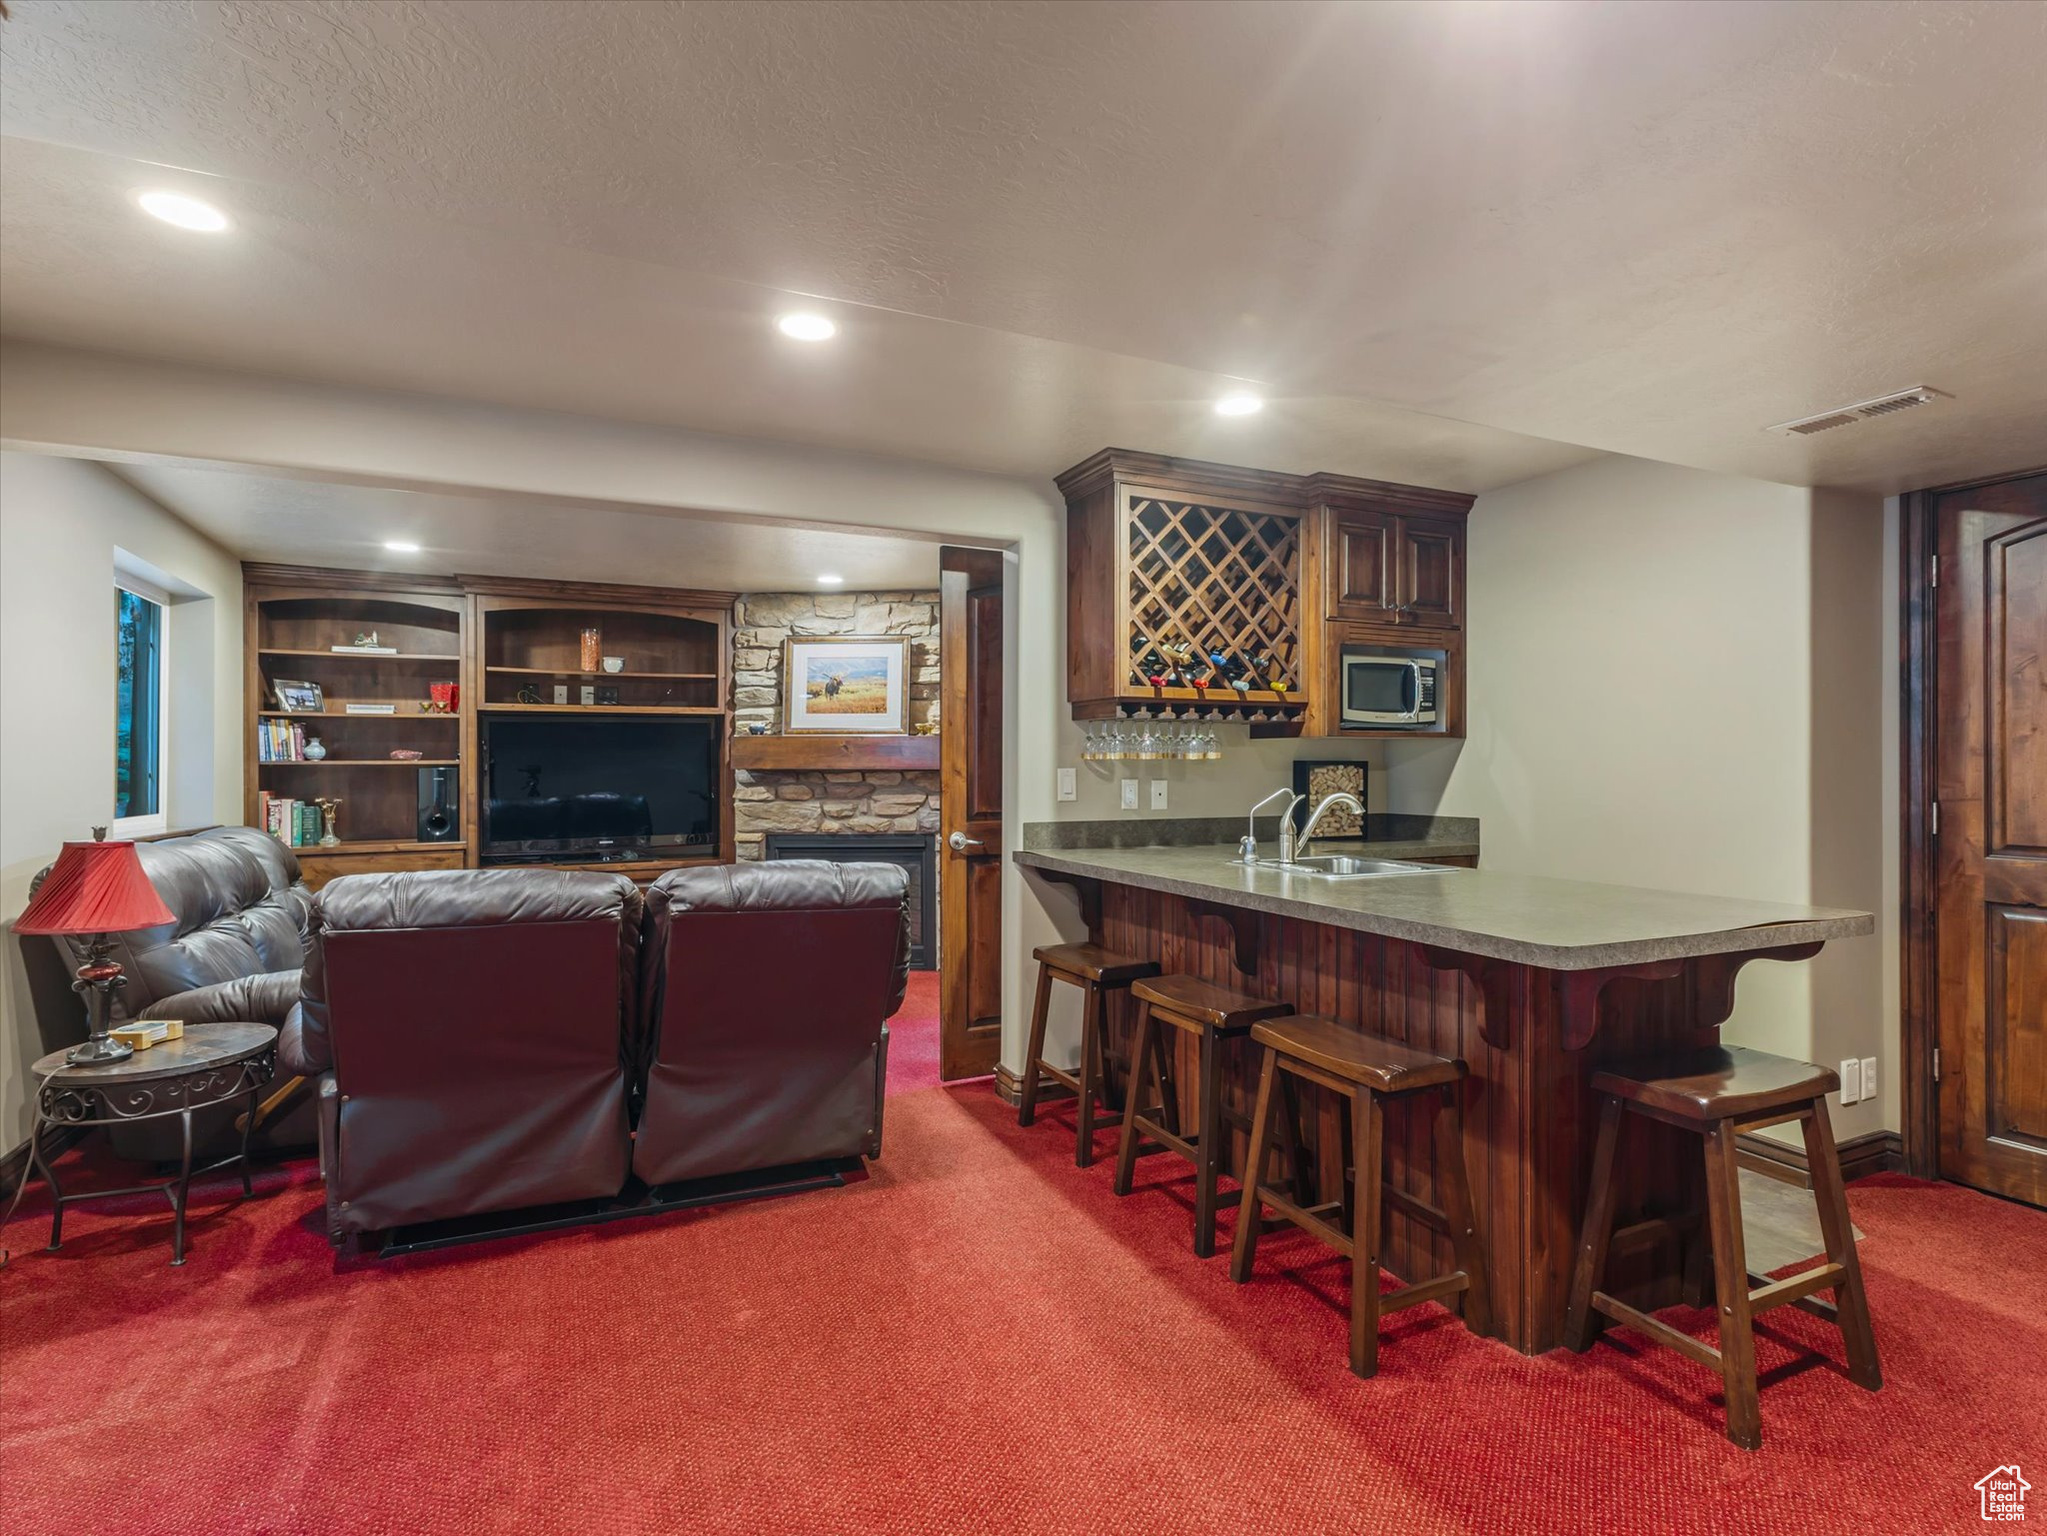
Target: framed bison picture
x,y
846,687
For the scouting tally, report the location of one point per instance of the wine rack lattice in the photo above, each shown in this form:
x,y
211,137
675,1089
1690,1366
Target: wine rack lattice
x,y
1214,577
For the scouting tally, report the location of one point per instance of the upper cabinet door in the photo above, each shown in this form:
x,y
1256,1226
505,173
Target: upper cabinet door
x,y
1361,567
1429,584
1396,568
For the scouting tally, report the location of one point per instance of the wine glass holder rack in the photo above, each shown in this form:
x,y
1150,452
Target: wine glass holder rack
x,y
1140,741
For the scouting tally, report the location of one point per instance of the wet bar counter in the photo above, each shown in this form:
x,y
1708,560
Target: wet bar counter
x,y
1532,982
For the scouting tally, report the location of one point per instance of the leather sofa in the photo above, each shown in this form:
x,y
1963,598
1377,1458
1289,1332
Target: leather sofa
x,y
486,1040
233,952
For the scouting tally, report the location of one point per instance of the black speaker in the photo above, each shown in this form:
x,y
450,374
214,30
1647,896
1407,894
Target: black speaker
x,y
439,820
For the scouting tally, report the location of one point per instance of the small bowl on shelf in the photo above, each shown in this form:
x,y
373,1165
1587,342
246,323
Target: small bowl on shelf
x,y
407,754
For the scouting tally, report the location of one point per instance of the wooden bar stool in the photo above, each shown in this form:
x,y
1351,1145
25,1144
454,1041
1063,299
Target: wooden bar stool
x,y
1366,1069
1096,971
1214,1015
1719,1093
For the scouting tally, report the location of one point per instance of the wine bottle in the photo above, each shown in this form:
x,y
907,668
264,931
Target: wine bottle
x,y
1155,670
1275,679
1231,670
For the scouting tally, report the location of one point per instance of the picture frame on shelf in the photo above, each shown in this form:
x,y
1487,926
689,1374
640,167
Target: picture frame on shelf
x,y
846,685
1317,779
299,698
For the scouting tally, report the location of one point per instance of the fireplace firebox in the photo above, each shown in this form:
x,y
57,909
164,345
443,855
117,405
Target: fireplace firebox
x,y
915,852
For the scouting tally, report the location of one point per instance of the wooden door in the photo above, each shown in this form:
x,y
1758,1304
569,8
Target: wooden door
x,y
1990,797
970,800
1361,565
1429,589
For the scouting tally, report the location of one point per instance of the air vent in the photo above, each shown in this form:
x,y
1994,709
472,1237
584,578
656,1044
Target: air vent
x,y
1867,410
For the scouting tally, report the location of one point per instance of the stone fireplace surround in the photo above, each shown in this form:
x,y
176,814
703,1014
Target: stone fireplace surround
x,y
836,802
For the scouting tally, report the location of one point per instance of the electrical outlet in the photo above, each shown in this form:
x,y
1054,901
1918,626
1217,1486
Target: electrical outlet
x,y
1869,1077
1129,787
1158,794
1851,1081
1069,789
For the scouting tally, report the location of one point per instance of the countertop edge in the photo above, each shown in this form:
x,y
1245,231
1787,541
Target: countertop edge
x,y
1546,956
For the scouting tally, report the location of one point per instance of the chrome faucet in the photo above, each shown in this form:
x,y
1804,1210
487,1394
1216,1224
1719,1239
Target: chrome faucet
x,y
1247,849
1289,845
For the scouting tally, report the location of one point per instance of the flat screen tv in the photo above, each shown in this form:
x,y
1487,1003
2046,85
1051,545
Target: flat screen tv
x,y
596,790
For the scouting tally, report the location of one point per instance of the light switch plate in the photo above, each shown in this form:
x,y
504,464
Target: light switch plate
x,y
1158,794
1851,1081
1129,794
1869,1077
1068,788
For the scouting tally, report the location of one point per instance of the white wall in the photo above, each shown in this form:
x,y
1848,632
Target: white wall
x,y
1679,679
61,521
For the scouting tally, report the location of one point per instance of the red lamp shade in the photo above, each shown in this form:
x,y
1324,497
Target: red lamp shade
x,y
95,888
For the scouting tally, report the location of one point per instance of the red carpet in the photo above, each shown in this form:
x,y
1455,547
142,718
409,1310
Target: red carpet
x,y
979,1337
913,1038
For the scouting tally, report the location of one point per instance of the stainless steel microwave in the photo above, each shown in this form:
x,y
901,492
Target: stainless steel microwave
x,y
1386,688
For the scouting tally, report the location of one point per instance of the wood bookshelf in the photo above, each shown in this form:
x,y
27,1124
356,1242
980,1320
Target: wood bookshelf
x,y
526,639
291,625
491,636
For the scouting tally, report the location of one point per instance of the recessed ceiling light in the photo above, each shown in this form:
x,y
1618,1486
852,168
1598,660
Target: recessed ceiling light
x,y
1239,403
401,546
807,327
828,579
185,212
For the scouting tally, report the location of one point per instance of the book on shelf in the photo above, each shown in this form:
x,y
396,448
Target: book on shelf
x,y
295,823
370,709
280,741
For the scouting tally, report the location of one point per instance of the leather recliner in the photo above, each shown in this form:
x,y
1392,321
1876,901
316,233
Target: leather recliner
x,y
474,1030
481,1036
765,988
233,952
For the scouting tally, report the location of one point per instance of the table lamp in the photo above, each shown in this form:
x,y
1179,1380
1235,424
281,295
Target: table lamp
x,y
95,889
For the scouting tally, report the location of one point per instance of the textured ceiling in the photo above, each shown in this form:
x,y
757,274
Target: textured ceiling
x,y
317,522
1447,238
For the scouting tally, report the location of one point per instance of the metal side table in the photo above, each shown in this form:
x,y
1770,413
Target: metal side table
x,y
212,1064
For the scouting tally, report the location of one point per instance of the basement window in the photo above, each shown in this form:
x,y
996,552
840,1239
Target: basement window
x,y
139,708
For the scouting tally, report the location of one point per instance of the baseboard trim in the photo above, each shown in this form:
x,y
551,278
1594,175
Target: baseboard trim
x,y
1871,1152
1009,1087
